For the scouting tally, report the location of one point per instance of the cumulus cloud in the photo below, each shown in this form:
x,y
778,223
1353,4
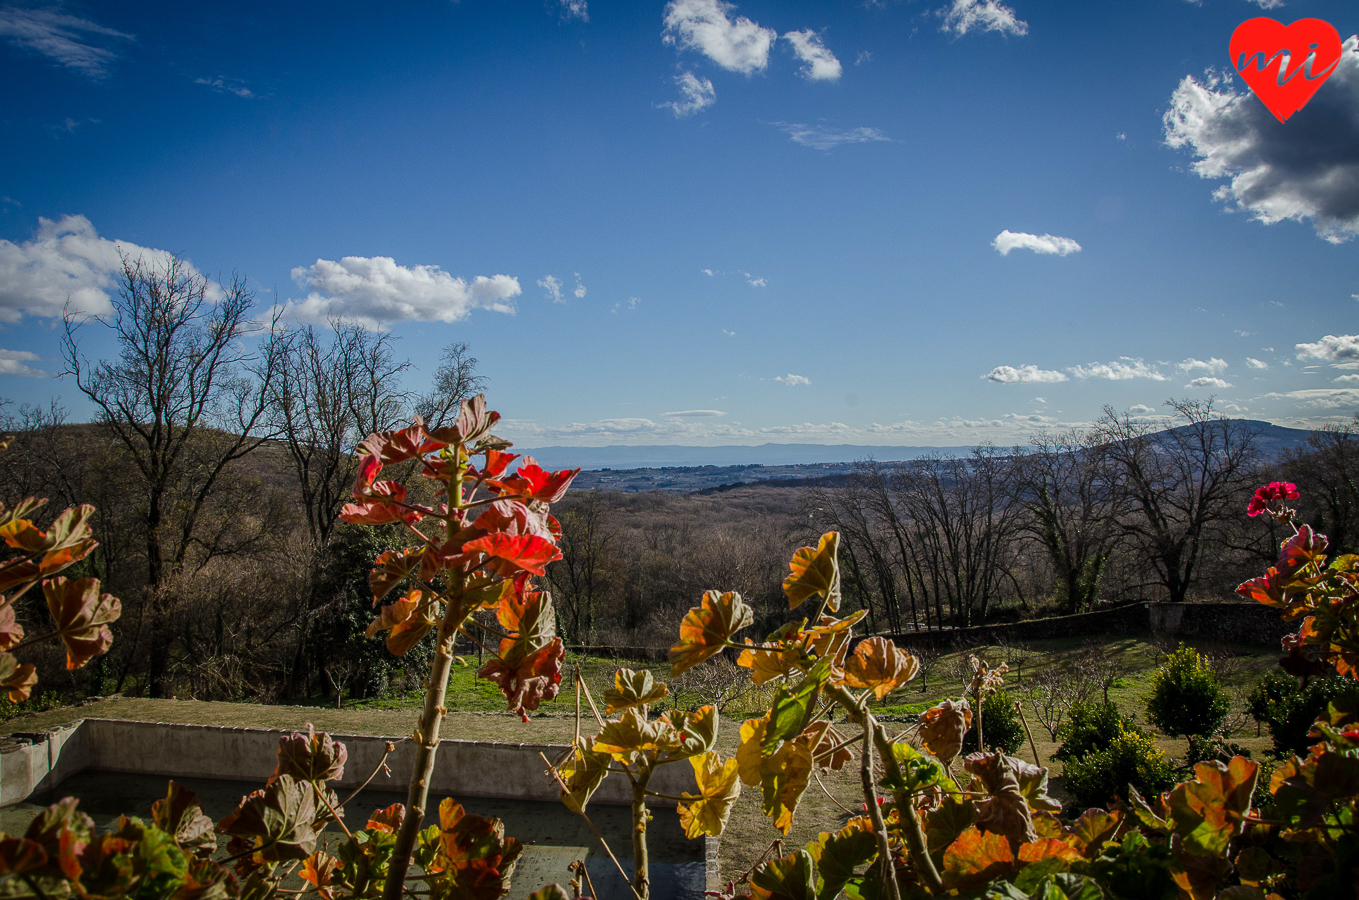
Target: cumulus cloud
x,y
1023,375
981,15
1256,363
819,64
1207,381
819,137
696,413
76,43
1126,367
1305,170
553,288
1039,243
1141,409
1213,365
575,9
695,94
12,363
1346,379
1332,348
793,380
579,292
374,291
65,262
738,45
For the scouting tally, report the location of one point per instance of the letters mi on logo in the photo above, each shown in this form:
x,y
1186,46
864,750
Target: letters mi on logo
x,y
1284,65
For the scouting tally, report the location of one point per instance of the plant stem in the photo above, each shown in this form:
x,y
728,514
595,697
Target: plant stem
x,y
641,865
889,876
1019,708
910,820
427,731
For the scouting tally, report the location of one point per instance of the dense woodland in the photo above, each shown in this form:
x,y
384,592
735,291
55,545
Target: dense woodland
x,y
223,450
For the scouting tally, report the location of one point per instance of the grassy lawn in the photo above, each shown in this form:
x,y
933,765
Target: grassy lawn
x,y
476,712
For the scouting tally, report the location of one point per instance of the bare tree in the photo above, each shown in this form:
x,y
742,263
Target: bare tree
x,y
1328,473
1183,485
185,397
1074,507
455,381
330,394
579,578
1052,691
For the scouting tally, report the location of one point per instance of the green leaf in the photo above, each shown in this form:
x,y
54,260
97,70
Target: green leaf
x,y
837,855
918,771
279,819
633,689
583,773
180,815
1209,811
791,877
794,707
696,732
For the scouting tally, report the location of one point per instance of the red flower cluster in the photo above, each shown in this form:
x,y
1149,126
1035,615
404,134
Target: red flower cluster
x,y
1265,497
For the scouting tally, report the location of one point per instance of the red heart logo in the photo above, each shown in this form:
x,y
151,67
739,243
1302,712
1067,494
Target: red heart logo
x,y
1284,65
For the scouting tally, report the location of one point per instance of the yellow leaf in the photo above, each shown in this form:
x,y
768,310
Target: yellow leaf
x,y
718,786
633,689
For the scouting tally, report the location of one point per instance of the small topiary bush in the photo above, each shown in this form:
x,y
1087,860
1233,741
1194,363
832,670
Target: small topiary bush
x,y
1289,710
1186,697
1000,723
1131,758
1091,726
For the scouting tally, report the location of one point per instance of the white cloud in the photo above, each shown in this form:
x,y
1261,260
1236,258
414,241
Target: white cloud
x,y
1207,382
1125,368
1039,243
793,380
1268,4
696,94
755,282
696,413
709,272
1346,379
1331,348
579,292
1307,170
373,290
221,85
1141,409
630,304
981,15
702,25
1256,363
553,288
66,261
75,43
1320,398
575,9
728,333
863,57
819,63
1023,375
818,137
12,363
1213,365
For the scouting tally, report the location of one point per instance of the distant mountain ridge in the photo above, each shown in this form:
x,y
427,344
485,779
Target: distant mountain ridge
x,y
1273,440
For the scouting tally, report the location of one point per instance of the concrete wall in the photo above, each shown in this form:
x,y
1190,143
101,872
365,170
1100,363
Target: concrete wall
x,y
468,768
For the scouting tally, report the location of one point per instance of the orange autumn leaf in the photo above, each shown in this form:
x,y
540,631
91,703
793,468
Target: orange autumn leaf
x,y
1048,848
975,858
509,554
942,728
320,871
815,571
877,664
82,617
706,628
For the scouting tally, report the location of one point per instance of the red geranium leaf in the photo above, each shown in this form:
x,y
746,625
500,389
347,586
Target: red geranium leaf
x,y
473,421
11,632
1302,548
320,871
388,820
391,568
1264,589
17,571
394,446
369,467
16,679
82,617
20,855
539,484
311,756
496,463
511,553
535,679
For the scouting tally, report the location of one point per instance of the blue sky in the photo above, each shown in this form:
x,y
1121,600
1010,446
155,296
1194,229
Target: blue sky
x,y
694,222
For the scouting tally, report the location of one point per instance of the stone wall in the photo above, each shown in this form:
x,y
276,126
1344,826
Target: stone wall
x,y
1230,623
